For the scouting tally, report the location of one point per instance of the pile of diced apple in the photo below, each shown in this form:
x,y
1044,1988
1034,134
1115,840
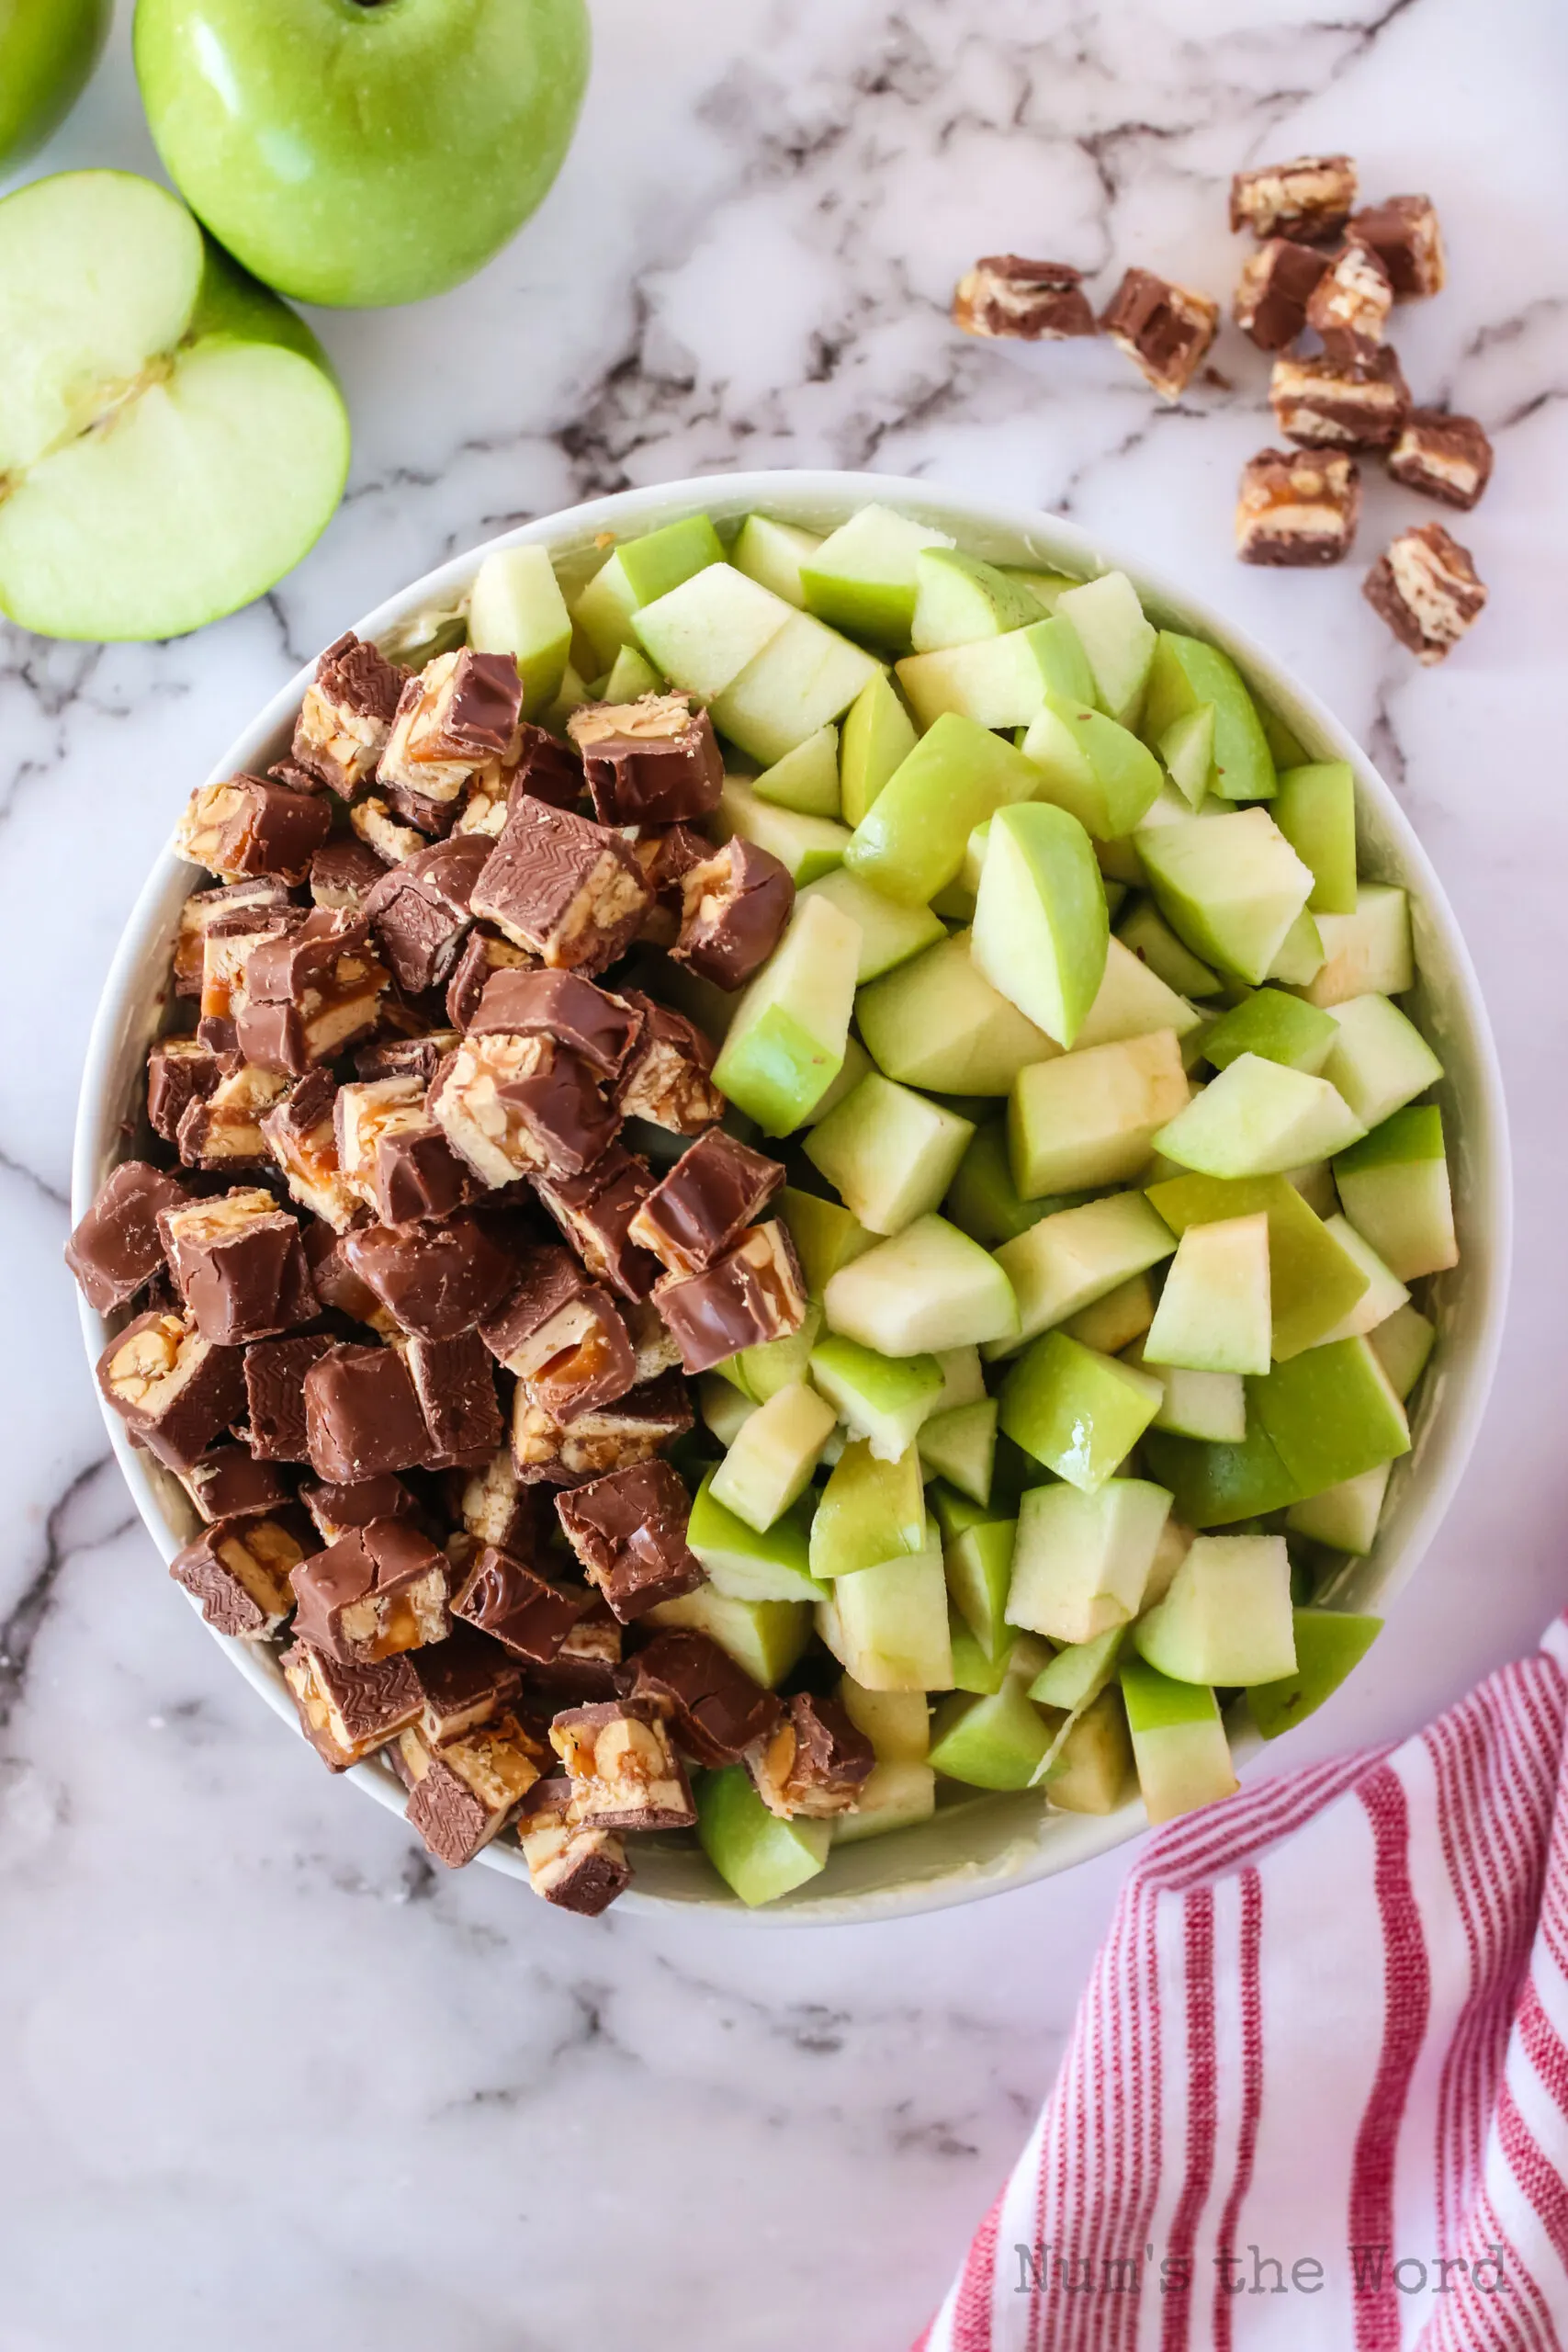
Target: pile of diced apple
x,y
1109,1171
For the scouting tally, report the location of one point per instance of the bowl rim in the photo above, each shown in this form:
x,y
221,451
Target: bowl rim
x,y
798,495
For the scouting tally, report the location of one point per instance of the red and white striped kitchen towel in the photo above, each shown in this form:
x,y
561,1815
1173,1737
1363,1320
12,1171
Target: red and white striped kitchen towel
x,y
1316,2094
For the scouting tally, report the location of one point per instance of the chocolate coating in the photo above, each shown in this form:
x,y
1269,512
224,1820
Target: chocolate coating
x,y
701,1208
734,908
437,1280
716,1708
274,1394
568,891
599,1028
629,1532
362,1415
518,1607
655,761
117,1249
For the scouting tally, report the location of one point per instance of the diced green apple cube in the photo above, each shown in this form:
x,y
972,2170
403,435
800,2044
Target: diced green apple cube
x,y
972,1668
1143,930
1330,1414
1315,809
1091,1118
862,578
806,779
1081,1561
959,1445
1329,1645
878,738
1314,1281
1116,638
517,607
631,674
806,846
1301,957
1113,1322
1133,1002
911,839
1187,747
999,681
1214,1314
959,600
896,1723
890,1153
1279,1027
767,1637
826,1236
894,1796
639,573
786,1039
749,1564
802,680
978,1561
887,1625
1384,1294
777,1363
889,933
704,633
1091,1770
983,1199
936,1022
996,1742
1379,1060
1394,1186
1227,1618
759,1855
1368,952
602,614
963,1379
725,1409
884,1400
856,1066
1080,1413
1401,1346
1067,1262
1345,1517
1209,1405
1258,1118
1041,932
1179,1742
773,553
869,1512
926,1288
1217,1483
1079,1671
771,1460
1231,887
1090,766
1186,676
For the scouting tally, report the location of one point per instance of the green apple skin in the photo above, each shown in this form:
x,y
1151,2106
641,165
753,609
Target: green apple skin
x,y
48,50
360,152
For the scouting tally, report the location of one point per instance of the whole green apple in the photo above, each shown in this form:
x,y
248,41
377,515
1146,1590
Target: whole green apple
x,y
48,49
362,152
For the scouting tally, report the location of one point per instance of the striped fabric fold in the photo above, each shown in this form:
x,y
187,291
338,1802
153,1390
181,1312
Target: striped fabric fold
x,y
1316,2091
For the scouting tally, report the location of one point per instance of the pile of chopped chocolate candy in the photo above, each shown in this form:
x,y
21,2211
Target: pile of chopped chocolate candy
x,y
1321,268
412,1317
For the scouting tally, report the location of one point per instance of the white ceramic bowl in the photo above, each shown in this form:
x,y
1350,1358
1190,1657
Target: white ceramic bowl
x,y
976,1845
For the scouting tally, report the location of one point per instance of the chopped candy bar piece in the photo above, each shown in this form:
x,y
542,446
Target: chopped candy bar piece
x,y
380,831
420,911
362,1415
459,715
419,1056
223,1129
378,1590
1297,506
667,1080
518,1606
464,1680
625,1774
392,1155
310,993
483,955
336,1510
250,825
454,1382
437,1280
239,1266
344,874
1321,402
1403,233
346,716
616,1438
655,761
337,1284
571,892
238,1569
118,1248
347,1712
561,1336
1310,198
512,1106
701,1208
1277,282
595,1211
1164,329
579,1869
1350,303
497,1509
1427,588
275,1391
629,1532
653,1344
715,1710
179,1070
174,1391
815,1763
585,1669
1033,301
588,1021
1447,457
754,1294
460,1794
230,1483
203,908
666,857
547,769
227,945
734,909
300,1132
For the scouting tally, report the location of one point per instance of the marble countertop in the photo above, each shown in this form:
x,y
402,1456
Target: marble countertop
x,y
263,2070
